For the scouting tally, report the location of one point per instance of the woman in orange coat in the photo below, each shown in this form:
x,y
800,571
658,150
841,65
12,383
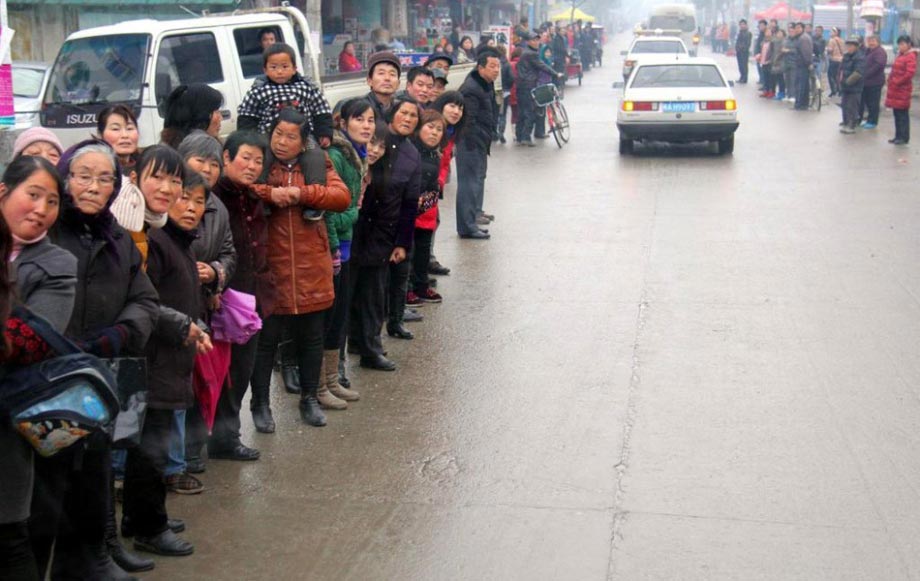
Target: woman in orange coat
x,y
299,183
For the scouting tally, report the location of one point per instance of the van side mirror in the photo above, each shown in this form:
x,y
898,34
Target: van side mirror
x,y
731,83
619,85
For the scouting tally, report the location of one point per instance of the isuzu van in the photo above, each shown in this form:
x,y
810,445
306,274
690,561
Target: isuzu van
x,y
139,63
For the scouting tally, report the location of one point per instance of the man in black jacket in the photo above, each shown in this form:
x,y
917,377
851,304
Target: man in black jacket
x,y
758,45
528,69
560,46
474,142
383,72
743,50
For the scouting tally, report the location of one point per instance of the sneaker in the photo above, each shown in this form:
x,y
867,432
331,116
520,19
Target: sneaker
x,y
184,483
430,296
412,316
847,129
412,299
868,125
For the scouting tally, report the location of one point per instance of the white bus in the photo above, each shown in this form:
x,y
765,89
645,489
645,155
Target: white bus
x,y
674,20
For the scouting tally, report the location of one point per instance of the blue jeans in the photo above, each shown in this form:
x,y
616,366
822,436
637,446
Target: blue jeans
x,y
118,463
471,182
176,461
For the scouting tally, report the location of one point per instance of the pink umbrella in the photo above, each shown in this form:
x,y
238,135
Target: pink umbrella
x,y
236,320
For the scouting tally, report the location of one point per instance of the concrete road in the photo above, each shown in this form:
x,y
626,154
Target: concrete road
x,y
672,365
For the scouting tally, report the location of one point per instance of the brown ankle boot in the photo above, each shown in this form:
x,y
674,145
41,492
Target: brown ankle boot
x,y
330,377
326,399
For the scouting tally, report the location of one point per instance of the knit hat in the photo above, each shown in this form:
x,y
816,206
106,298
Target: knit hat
x,y
34,135
439,75
383,56
440,56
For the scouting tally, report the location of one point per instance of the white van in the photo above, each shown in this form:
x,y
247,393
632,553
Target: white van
x,y
674,20
138,63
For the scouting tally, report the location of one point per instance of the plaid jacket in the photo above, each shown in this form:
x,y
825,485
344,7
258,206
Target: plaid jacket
x,y
264,102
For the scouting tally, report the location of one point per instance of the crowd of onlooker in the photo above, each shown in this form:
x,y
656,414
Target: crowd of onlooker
x,y
793,63
197,266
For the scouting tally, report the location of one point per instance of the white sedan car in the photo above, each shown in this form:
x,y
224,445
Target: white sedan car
x,y
650,46
680,100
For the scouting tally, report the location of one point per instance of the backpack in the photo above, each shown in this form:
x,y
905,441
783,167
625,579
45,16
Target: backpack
x,y
57,402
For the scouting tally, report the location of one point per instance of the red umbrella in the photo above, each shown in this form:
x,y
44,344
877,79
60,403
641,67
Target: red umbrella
x,y
210,373
782,11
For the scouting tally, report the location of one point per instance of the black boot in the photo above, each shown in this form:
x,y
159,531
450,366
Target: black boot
x,y
398,331
310,412
262,418
290,373
78,561
122,557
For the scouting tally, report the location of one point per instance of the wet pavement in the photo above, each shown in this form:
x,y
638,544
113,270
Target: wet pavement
x,y
672,365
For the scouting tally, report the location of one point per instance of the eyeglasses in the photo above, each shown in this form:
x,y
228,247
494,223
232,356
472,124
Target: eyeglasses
x,y
87,180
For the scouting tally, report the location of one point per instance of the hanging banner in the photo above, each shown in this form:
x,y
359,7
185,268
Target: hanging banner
x,y
7,112
502,35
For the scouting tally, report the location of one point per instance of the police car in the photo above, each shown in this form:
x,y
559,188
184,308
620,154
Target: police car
x,y
646,46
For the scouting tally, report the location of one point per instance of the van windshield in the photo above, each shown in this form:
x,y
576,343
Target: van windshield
x,y
672,22
102,69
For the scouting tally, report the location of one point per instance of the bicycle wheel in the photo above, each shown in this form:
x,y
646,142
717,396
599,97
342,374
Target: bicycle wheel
x,y
562,123
552,124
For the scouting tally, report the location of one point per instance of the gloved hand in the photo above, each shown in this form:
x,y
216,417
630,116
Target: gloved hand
x,y
337,262
107,343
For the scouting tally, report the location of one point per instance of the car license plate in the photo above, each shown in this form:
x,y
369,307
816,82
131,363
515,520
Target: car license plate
x,y
678,107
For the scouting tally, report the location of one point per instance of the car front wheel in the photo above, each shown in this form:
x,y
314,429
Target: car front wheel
x,y
727,145
626,146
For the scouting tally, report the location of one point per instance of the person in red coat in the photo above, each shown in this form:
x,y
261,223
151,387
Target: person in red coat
x,y
348,62
900,87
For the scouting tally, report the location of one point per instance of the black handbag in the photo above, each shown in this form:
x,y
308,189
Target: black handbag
x,y
131,375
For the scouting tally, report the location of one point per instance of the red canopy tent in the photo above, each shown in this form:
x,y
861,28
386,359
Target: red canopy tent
x,y
782,11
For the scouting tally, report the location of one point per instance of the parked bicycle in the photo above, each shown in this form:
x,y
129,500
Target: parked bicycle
x,y
557,120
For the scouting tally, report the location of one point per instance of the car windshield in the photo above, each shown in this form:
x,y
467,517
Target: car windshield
x,y
672,22
102,69
27,82
677,75
659,47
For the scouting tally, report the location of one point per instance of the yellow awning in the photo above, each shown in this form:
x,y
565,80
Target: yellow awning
x,y
570,15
